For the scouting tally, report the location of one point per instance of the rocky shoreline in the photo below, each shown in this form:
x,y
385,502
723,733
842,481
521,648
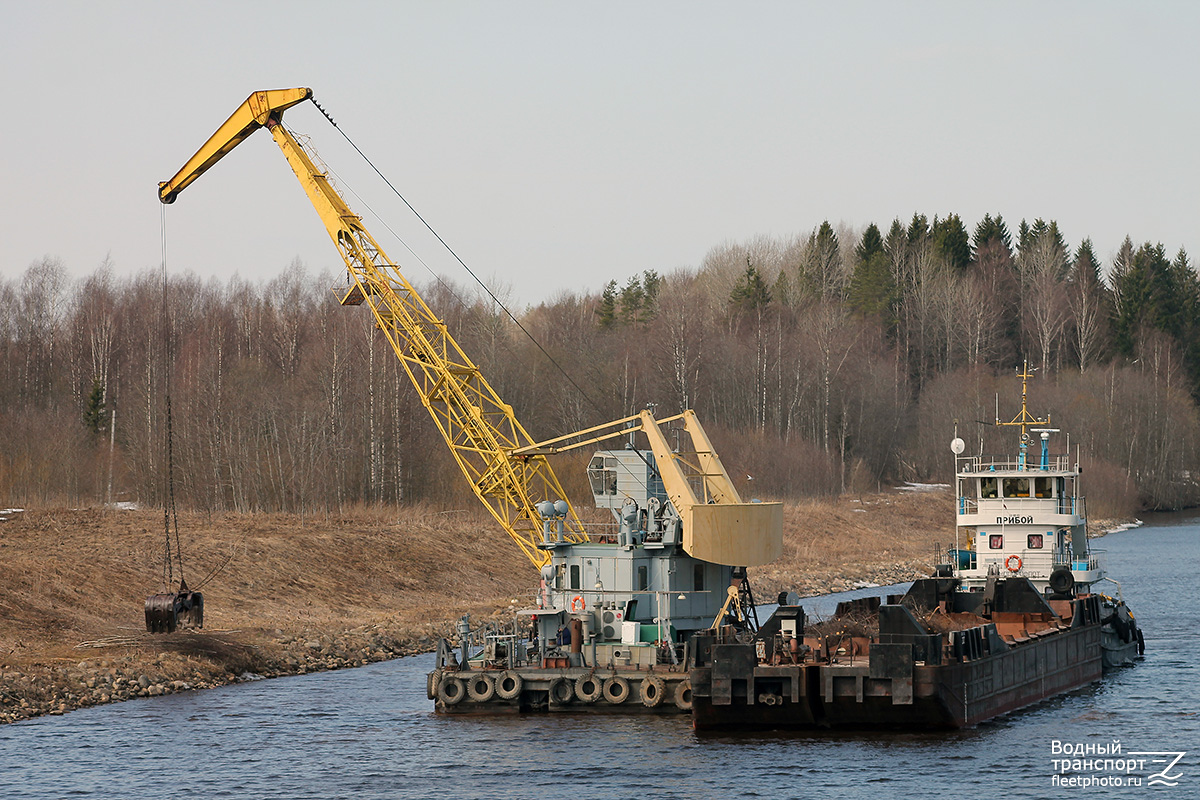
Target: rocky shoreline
x,y
151,666
145,665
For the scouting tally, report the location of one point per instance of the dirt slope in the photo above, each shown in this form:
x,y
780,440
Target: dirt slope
x,y
293,594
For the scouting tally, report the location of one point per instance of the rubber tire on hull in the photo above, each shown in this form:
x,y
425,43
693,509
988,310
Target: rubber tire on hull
x,y
683,695
451,690
562,692
509,685
616,690
431,683
481,688
653,691
588,688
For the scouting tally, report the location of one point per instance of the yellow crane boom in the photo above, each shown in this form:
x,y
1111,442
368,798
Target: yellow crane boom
x,y
479,428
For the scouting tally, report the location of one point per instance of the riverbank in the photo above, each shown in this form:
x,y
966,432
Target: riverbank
x,y
288,595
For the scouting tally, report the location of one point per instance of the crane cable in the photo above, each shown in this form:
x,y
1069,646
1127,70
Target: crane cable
x,y
450,250
462,263
170,516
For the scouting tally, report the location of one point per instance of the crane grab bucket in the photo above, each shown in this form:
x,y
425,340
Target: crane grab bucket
x,y
168,611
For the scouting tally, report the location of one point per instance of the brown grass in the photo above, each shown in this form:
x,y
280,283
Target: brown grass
x,y
71,576
288,594
882,538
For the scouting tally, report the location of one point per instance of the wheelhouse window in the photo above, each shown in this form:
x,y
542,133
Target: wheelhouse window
x,y
1042,487
1035,541
1016,487
987,488
996,541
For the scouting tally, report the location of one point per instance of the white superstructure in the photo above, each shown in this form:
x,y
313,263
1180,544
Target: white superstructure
x,y
1022,514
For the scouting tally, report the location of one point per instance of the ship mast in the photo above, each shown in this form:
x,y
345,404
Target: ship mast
x,y
1024,419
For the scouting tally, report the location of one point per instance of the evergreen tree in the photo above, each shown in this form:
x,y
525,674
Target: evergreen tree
x,y
750,293
1147,297
1085,269
607,310
951,241
870,243
95,414
821,267
1090,306
633,296
918,229
783,291
991,232
651,283
872,288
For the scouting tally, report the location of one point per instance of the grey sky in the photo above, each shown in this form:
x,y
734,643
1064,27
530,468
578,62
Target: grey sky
x,y
559,145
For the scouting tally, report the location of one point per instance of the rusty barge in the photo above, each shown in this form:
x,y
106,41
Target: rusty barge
x,y
924,660
1013,615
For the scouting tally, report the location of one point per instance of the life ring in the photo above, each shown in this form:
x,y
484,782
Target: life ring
x,y
509,685
561,692
588,688
578,604
451,690
653,690
481,688
616,690
1008,564
683,695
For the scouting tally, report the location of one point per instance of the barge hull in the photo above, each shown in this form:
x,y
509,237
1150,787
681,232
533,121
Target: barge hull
x,y
735,690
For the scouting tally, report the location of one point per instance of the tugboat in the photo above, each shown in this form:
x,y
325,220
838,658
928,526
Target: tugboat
x,y
1025,517
1009,619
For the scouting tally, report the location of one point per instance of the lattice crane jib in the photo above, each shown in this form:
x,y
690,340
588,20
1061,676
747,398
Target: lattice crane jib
x,y
478,426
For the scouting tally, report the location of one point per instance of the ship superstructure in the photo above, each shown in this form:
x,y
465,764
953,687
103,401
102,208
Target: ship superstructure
x,y
1022,514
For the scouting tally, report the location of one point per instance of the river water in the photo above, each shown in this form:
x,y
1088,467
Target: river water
x,y
370,733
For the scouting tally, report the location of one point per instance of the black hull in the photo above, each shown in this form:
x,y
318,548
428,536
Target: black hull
x,y
947,696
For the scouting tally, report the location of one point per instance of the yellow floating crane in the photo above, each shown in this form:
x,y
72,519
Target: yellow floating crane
x,y
691,517
479,428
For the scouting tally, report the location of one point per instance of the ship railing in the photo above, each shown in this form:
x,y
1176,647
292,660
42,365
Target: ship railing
x,y
1009,463
1068,506
959,558
1093,560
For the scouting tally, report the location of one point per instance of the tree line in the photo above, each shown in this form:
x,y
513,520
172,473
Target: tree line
x,y
833,361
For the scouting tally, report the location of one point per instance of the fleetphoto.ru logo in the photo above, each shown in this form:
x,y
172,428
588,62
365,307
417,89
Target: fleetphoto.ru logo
x,y
1086,765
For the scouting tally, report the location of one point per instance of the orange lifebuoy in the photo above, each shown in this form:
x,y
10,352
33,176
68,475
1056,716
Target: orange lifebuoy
x,y
1009,566
577,604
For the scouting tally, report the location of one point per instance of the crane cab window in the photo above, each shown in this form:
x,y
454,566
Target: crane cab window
x,y
1016,487
698,578
575,576
1042,487
643,578
602,475
987,488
